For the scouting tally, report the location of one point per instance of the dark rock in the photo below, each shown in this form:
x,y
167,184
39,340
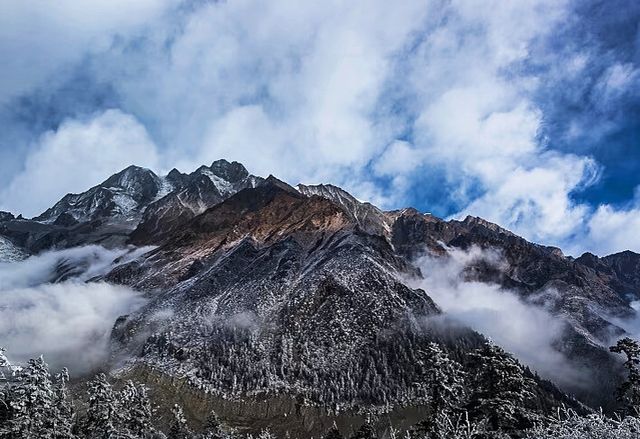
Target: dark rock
x,y
6,216
66,220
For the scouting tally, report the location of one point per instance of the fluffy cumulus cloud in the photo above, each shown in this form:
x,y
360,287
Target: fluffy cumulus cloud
x,y
38,40
472,108
76,156
272,83
613,230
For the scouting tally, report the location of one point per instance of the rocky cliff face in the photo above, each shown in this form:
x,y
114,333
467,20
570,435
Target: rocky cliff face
x,y
196,192
122,196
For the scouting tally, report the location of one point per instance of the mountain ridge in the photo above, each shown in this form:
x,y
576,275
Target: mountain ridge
x,y
307,284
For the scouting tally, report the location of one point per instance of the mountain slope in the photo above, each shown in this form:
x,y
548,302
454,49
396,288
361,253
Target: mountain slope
x,y
259,288
273,294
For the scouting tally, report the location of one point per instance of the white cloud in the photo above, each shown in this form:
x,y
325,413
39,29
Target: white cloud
x,y
273,84
69,322
76,156
534,200
611,230
339,92
399,157
477,120
527,330
38,40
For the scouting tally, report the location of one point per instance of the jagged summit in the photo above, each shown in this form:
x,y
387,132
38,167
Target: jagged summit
x,y
194,193
6,216
120,195
368,217
128,206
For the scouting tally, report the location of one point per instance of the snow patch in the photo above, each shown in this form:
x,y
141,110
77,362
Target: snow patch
x,y
9,252
224,187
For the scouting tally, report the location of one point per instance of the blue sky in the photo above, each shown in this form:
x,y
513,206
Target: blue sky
x,y
525,113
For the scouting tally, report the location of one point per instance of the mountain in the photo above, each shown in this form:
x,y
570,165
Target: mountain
x,y
126,206
203,188
267,300
121,197
9,252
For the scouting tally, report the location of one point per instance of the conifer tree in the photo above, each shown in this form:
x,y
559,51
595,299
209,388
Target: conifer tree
x,y
443,380
102,418
135,411
214,428
63,413
629,391
501,388
36,406
179,428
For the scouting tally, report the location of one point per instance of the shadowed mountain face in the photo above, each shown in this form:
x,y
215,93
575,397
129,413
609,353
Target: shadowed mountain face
x,y
256,287
203,188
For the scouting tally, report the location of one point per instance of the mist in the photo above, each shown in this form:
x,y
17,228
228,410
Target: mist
x,y
48,308
527,330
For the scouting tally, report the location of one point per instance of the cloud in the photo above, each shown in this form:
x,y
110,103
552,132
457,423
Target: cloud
x,y
68,322
477,119
38,41
277,82
611,230
525,329
535,200
78,155
463,107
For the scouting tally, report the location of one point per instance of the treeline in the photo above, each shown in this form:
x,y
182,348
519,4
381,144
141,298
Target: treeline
x,y
387,371
36,404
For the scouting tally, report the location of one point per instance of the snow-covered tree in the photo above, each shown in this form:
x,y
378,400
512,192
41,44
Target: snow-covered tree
x,y
443,383
500,389
102,418
7,370
629,391
135,411
36,406
448,425
264,434
63,409
179,428
569,425
213,428
124,414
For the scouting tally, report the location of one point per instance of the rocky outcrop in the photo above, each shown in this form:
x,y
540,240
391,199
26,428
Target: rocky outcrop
x,y
204,188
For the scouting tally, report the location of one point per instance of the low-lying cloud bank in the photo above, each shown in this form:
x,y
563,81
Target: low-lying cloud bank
x,y
525,329
47,307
